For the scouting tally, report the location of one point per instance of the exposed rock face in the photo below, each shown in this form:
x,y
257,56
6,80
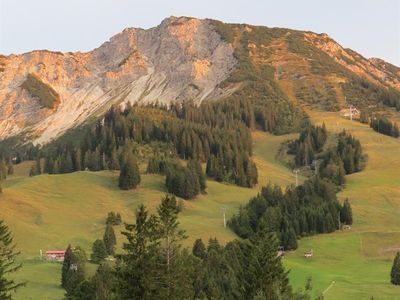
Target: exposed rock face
x,y
181,59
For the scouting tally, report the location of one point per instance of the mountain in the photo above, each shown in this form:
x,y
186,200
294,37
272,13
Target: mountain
x,y
44,93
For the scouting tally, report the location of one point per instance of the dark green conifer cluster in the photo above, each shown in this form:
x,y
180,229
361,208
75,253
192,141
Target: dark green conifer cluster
x,y
385,126
310,142
333,163
306,210
185,182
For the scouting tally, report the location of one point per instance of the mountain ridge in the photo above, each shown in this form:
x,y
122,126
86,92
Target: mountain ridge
x,y
182,59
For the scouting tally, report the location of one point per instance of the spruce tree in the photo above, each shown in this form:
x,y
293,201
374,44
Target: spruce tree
x,y
395,272
99,251
109,240
129,176
175,266
7,263
114,161
199,249
103,282
346,214
66,265
266,271
136,269
75,274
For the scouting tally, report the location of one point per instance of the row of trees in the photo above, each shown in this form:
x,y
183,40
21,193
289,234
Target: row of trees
x,y
153,265
308,209
385,126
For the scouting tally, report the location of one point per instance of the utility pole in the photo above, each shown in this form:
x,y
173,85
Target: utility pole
x,y
295,171
224,214
351,112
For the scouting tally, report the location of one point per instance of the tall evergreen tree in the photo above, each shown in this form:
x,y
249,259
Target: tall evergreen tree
x,y
199,249
109,239
7,263
74,271
99,251
174,275
267,274
129,177
137,267
66,265
346,214
395,272
104,283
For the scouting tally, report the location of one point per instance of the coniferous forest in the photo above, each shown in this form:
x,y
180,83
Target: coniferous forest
x,y
211,134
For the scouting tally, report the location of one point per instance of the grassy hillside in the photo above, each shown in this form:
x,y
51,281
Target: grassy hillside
x,y
359,260
283,67
50,211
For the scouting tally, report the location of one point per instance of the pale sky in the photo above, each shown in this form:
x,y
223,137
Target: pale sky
x,y
370,27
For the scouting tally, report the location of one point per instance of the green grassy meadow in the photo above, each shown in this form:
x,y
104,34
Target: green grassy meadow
x,y
358,260
51,211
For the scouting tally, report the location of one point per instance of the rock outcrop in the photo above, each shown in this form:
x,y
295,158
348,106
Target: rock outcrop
x,y
181,59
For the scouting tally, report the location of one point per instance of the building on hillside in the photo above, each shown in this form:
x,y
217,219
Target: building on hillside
x,y
352,112
308,253
57,255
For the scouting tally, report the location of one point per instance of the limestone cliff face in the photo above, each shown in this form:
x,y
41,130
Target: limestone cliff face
x,y
181,59
43,93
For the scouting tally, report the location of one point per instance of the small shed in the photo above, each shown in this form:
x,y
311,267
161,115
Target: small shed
x,y
347,227
308,253
57,255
